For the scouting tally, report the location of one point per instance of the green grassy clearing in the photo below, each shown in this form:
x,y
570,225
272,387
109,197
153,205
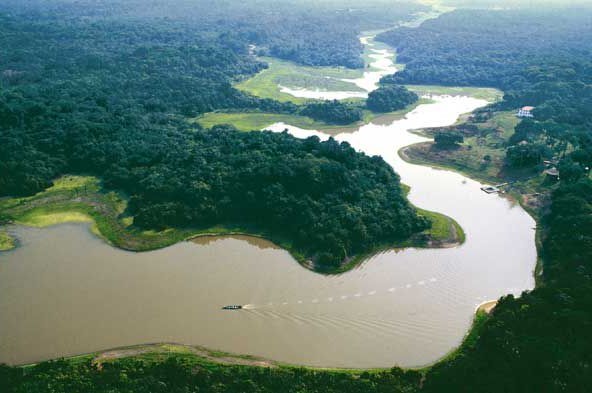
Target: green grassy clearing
x,y
6,241
266,84
250,121
444,229
470,157
483,93
285,73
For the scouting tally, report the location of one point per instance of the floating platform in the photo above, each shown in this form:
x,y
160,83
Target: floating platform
x,y
490,189
494,189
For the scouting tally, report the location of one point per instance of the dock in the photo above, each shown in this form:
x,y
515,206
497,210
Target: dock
x,y
493,189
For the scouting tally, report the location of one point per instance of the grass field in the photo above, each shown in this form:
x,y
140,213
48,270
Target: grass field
x,y
81,199
251,121
444,230
470,156
266,83
6,241
484,93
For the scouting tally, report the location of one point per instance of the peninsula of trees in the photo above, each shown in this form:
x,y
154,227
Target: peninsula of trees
x,y
110,97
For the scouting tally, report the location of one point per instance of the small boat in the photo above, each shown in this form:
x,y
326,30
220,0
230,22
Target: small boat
x,y
232,307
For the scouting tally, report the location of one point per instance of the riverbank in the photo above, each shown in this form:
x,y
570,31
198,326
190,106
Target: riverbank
x,y
7,242
161,352
482,157
82,199
253,121
284,80
168,365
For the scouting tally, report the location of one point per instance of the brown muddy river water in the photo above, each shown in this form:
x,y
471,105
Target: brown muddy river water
x,y
66,292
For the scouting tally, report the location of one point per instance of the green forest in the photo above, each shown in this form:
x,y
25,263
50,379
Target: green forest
x,y
96,90
110,98
542,340
388,98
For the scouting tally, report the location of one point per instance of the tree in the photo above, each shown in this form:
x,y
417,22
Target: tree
x,y
570,171
390,98
447,139
527,154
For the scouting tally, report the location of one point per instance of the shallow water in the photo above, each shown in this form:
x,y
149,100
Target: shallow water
x,y
65,292
381,65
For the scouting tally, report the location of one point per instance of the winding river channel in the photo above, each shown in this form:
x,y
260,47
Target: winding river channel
x,y
65,292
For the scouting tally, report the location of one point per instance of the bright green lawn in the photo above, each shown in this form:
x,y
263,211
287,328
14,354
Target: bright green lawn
x,y
484,93
266,83
250,121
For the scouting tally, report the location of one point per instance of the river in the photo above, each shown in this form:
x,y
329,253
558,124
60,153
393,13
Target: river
x,y
65,292
381,64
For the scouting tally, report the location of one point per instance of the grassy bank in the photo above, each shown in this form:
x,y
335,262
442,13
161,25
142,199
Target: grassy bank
x,y
445,231
428,155
6,241
483,93
174,367
250,121
266,84
529,187
482,157
82,199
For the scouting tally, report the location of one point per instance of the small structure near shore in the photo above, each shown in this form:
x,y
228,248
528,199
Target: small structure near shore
x,y
525,111
490,189
493,189
552,173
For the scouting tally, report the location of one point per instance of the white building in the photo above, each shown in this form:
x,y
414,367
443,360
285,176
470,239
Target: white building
x,y
525,111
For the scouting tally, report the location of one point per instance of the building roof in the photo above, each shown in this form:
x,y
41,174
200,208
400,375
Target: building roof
x,y
552,172
527,108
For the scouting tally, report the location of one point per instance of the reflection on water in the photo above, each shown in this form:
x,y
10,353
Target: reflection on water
x,y
66,292
252,240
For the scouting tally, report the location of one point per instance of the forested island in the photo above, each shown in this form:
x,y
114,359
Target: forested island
x,y
108,96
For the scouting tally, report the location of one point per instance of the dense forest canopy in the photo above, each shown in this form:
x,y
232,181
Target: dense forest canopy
x,y
305,31
71,101
75,66
504,49
328,200
334,112
388,98
540,341
109,96
540,58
